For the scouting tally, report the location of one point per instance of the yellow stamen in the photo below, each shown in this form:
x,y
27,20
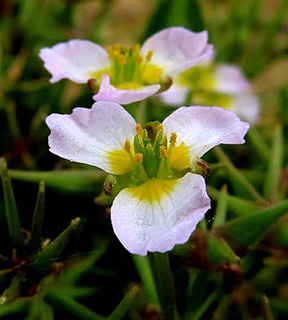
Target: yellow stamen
x,y
163,152
159,127
173,139
122,59
149,55
139,129
136,48
110,51
117,47
139,157
139,60
127,146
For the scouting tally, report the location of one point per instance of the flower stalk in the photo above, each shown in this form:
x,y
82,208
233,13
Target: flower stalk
x,y
164,284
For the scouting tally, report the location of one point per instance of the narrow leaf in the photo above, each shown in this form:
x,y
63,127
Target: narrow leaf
x,y
267,313
238,178
238,205
249,230
64,181
11,210
71,306
20,305
274,166
221,209
42,260
124,305
218,251
37,223
259,145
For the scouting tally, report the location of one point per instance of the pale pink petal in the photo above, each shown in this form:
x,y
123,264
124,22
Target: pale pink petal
x,y
247,106
229,79
174,96
109,93
89,135
176,49
76,60
202,128
142,226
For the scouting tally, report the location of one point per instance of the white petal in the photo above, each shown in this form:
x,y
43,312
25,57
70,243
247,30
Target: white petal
x,y
175,96
92,136
109,93
162,218
202,128
76,60
247,106
229,79
176,49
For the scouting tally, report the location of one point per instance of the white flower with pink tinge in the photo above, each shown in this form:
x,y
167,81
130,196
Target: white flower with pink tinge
x,y
163,198
215,83
125,75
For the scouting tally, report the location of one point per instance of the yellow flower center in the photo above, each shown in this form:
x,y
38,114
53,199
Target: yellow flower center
x,y
151,155
129,70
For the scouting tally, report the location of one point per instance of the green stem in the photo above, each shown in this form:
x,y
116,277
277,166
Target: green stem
x,y
145,273
164,284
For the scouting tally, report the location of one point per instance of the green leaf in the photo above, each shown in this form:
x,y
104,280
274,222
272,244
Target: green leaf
x,y
238,205
205,305
124,305
11,210
171,13
221,209
73,307
41,262
237,178
37,223
274,166
218,251
267,313
259,144
65,181
248,230
20,305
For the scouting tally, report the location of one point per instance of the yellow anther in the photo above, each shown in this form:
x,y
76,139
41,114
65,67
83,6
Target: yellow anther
x,y
139,59
173,139
127,146
136,48
139,157
115,54
149,55
122,59
117,47
159,127
110,51
139,129
163,152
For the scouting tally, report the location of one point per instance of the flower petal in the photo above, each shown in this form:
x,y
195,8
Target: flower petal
x,y
175,96
202,128
76,60
247,106
176,49
229,79
159,213
109,93
94,136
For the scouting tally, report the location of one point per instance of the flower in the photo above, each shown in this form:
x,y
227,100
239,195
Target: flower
x,y
126,75
210,84
160,199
